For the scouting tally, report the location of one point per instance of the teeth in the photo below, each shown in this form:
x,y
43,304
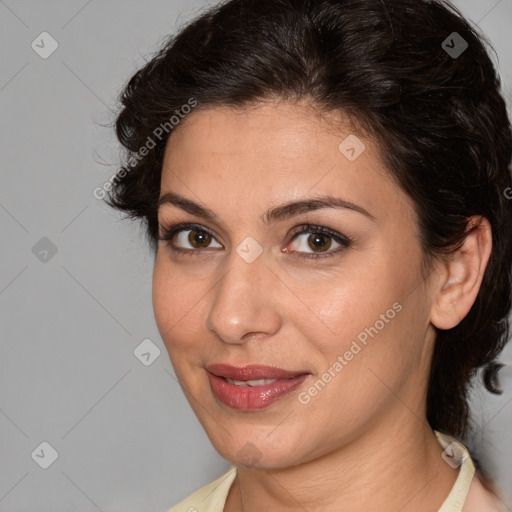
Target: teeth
x,y
255,382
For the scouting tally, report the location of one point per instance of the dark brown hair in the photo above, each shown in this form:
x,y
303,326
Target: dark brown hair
x,y
392,67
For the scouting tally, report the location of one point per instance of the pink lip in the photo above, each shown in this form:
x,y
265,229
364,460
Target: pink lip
x,y
252,397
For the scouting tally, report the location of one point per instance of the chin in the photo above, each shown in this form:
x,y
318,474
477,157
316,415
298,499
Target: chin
x,y
253,447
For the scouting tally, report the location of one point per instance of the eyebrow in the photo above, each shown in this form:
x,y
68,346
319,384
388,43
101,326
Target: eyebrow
x,y
277,213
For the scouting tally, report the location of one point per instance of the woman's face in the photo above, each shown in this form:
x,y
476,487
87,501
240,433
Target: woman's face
x,y
351,326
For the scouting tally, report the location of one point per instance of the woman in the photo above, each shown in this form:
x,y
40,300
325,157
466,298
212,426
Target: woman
x,y
325,186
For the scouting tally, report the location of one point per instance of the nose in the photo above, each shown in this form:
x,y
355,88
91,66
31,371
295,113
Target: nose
x,y
245,302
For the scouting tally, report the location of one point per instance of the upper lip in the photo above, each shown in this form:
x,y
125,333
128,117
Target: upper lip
x,y
252,372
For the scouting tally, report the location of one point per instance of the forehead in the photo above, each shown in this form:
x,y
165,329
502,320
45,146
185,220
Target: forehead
x,y
264,127
273,152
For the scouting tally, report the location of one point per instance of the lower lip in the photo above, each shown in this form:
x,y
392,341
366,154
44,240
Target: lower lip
x,y
253,397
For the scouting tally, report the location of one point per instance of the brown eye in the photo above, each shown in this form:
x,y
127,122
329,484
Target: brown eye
x,y
190,238
319,241
311,242
316,241
199,239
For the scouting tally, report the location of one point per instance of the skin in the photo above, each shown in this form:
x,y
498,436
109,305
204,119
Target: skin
x,y
363,439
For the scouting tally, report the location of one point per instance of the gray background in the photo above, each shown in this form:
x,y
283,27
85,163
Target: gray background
x,y
125,436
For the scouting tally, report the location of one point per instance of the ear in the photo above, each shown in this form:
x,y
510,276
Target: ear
x,y
461,275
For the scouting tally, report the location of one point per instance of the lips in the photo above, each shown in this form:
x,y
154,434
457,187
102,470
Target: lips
x,y
253,386
251,372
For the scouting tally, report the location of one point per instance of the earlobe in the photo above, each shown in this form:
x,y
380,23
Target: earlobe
x,y
460,276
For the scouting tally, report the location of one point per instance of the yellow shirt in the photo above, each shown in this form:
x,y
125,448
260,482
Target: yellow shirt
x,y
212,497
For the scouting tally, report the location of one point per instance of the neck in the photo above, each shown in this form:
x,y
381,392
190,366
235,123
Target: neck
x,y
387,469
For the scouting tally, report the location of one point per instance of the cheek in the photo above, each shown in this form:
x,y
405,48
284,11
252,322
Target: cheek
x,y
371,320
162,298
172,302
179,306
343,305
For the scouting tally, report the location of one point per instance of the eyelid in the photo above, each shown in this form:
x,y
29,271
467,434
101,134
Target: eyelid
x,y
324,230
344,241
170,232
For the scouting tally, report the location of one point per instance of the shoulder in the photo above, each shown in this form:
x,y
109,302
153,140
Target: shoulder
x,y
482,499
209,498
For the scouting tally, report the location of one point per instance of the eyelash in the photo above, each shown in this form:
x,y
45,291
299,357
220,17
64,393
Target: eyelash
x,y
170,232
